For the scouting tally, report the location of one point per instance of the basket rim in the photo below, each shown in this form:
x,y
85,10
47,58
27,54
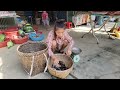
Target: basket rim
x,y
34,52
60,71
63,70
25,37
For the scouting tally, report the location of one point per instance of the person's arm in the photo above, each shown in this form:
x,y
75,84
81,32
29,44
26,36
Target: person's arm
x,y
49,43
70,40
50,52
47,16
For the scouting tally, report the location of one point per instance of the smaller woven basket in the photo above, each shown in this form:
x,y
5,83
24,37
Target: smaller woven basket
x,y
68,63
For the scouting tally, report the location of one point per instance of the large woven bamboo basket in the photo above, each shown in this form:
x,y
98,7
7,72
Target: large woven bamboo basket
x,y
61,74
32,57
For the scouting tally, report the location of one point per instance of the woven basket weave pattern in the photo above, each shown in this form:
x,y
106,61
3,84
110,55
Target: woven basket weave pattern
x,y
25,57
61,74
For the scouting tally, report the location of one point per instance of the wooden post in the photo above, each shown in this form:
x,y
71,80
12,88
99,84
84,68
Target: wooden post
x,y
67,16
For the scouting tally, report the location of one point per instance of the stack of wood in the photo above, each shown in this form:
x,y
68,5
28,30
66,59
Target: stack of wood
x,y
113,13
106,12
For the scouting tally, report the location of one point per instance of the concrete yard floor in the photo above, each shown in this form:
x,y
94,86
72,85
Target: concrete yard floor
x,y
98,61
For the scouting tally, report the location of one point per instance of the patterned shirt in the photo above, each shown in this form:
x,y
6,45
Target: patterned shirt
x,y
45,16
59,41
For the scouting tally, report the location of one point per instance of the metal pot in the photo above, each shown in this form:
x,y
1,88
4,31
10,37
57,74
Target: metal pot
x,y
76,51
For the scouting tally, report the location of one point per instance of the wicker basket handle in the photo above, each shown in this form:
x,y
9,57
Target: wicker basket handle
x,y
46,62
31,70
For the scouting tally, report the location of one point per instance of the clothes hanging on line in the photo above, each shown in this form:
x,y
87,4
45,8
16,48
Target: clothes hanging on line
x,y
80,19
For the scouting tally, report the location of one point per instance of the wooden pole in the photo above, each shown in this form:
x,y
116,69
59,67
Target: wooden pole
x,y
67,16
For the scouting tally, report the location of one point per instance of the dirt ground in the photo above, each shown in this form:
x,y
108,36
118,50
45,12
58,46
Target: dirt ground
x,y
98,61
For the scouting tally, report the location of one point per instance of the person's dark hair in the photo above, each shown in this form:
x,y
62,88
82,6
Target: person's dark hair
x,y
59,24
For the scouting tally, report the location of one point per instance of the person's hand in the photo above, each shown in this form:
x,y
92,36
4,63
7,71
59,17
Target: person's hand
x,y
68,52
55,61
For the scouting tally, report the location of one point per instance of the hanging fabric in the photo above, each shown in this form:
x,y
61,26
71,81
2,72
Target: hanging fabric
x,y
80,19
